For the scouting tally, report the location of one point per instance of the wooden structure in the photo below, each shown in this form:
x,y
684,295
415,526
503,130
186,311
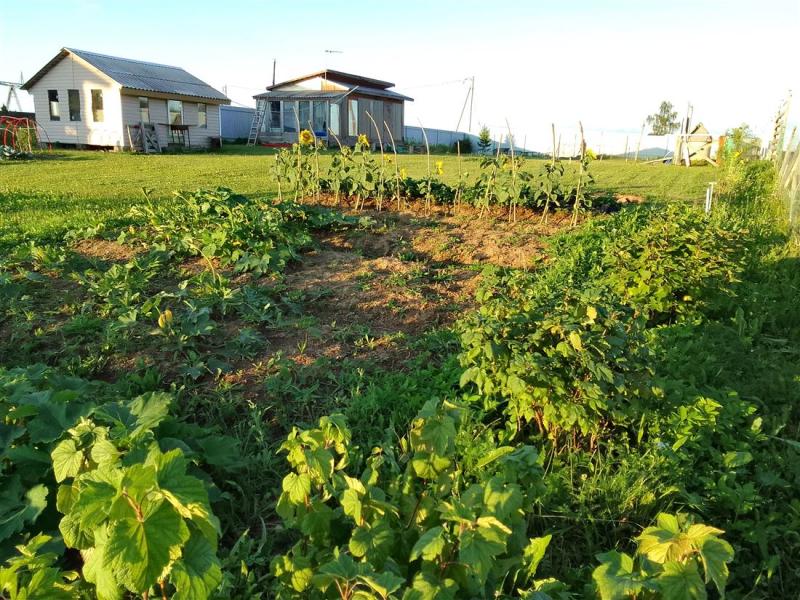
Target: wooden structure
x,y
779,130
142,137
332,104
787,162
693,146
89,99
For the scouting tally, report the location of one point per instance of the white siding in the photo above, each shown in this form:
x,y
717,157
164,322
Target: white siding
x,y
72,73
199,137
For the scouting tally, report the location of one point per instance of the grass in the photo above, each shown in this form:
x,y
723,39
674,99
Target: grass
x,y
67,189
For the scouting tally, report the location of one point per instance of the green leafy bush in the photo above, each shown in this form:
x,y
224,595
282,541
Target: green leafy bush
x,y
414,524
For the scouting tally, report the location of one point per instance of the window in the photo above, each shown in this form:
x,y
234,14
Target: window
x,y
97,106
318,110
144,109
289,117
74,100
175,112
274,115
52,99
304,107
335,119
202,116
352,117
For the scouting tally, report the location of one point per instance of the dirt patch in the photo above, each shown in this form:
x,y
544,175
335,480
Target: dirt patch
x,y
105,250
628,199
369,307
452,237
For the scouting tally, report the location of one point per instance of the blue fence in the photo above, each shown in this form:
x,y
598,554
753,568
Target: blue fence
x,y
235,121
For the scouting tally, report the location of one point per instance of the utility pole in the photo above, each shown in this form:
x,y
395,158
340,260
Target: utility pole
x,y
274,63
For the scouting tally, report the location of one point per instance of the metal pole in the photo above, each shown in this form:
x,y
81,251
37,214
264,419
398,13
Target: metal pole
x,y
471,98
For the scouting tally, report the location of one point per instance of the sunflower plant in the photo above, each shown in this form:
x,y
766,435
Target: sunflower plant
x,y
364,171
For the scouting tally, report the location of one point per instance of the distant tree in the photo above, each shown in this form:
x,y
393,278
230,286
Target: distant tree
x,y
484,139
664,121
3,109
464,145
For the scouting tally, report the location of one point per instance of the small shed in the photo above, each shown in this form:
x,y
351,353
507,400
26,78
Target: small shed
x,y
90,99
334,105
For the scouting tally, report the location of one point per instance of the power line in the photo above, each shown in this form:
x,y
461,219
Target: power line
x,y
441,83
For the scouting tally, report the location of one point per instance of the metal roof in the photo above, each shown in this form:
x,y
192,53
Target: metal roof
x,y
331,95
139,75
339,77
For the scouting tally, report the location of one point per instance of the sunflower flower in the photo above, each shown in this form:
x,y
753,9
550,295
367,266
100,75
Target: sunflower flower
x,y
306,137
439,167
403,173
363,140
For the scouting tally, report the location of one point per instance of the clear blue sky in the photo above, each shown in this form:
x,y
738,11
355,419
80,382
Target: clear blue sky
x,y
606,63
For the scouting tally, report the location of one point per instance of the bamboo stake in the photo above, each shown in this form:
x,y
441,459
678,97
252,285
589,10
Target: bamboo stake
x,y
513,206
456,200
543,220
638,144
316,160
297,184
396,165
381,178
580,178
428,152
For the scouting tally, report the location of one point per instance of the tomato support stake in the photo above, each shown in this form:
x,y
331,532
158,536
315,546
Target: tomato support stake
x,y
709,195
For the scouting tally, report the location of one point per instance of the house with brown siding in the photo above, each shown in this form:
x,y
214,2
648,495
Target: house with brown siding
x,y
334,105
90,99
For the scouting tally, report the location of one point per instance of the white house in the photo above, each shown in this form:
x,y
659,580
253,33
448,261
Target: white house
x,y
328,101
91,99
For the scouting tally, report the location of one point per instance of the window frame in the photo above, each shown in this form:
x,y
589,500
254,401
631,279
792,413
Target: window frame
x,y
322,105
204,112
169,112
352,117
146,107
74,117
272,126
304,106
335,121
55,115
288,110
97,106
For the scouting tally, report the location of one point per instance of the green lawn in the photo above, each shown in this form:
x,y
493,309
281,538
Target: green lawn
x,y
78,188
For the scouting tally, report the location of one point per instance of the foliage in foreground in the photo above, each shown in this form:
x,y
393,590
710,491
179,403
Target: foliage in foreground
x,y
613,401
437,521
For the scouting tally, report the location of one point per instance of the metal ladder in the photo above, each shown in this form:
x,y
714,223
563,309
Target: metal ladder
x,y
258,119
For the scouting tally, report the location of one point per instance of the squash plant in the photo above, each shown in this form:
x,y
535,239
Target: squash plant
x,y
411,524
139,519
670,557
576,364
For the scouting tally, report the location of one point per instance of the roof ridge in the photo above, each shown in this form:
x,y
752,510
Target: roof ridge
x,y
78,51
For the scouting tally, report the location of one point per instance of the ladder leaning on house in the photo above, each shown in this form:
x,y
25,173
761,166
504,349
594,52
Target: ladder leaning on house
x,y
255,126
